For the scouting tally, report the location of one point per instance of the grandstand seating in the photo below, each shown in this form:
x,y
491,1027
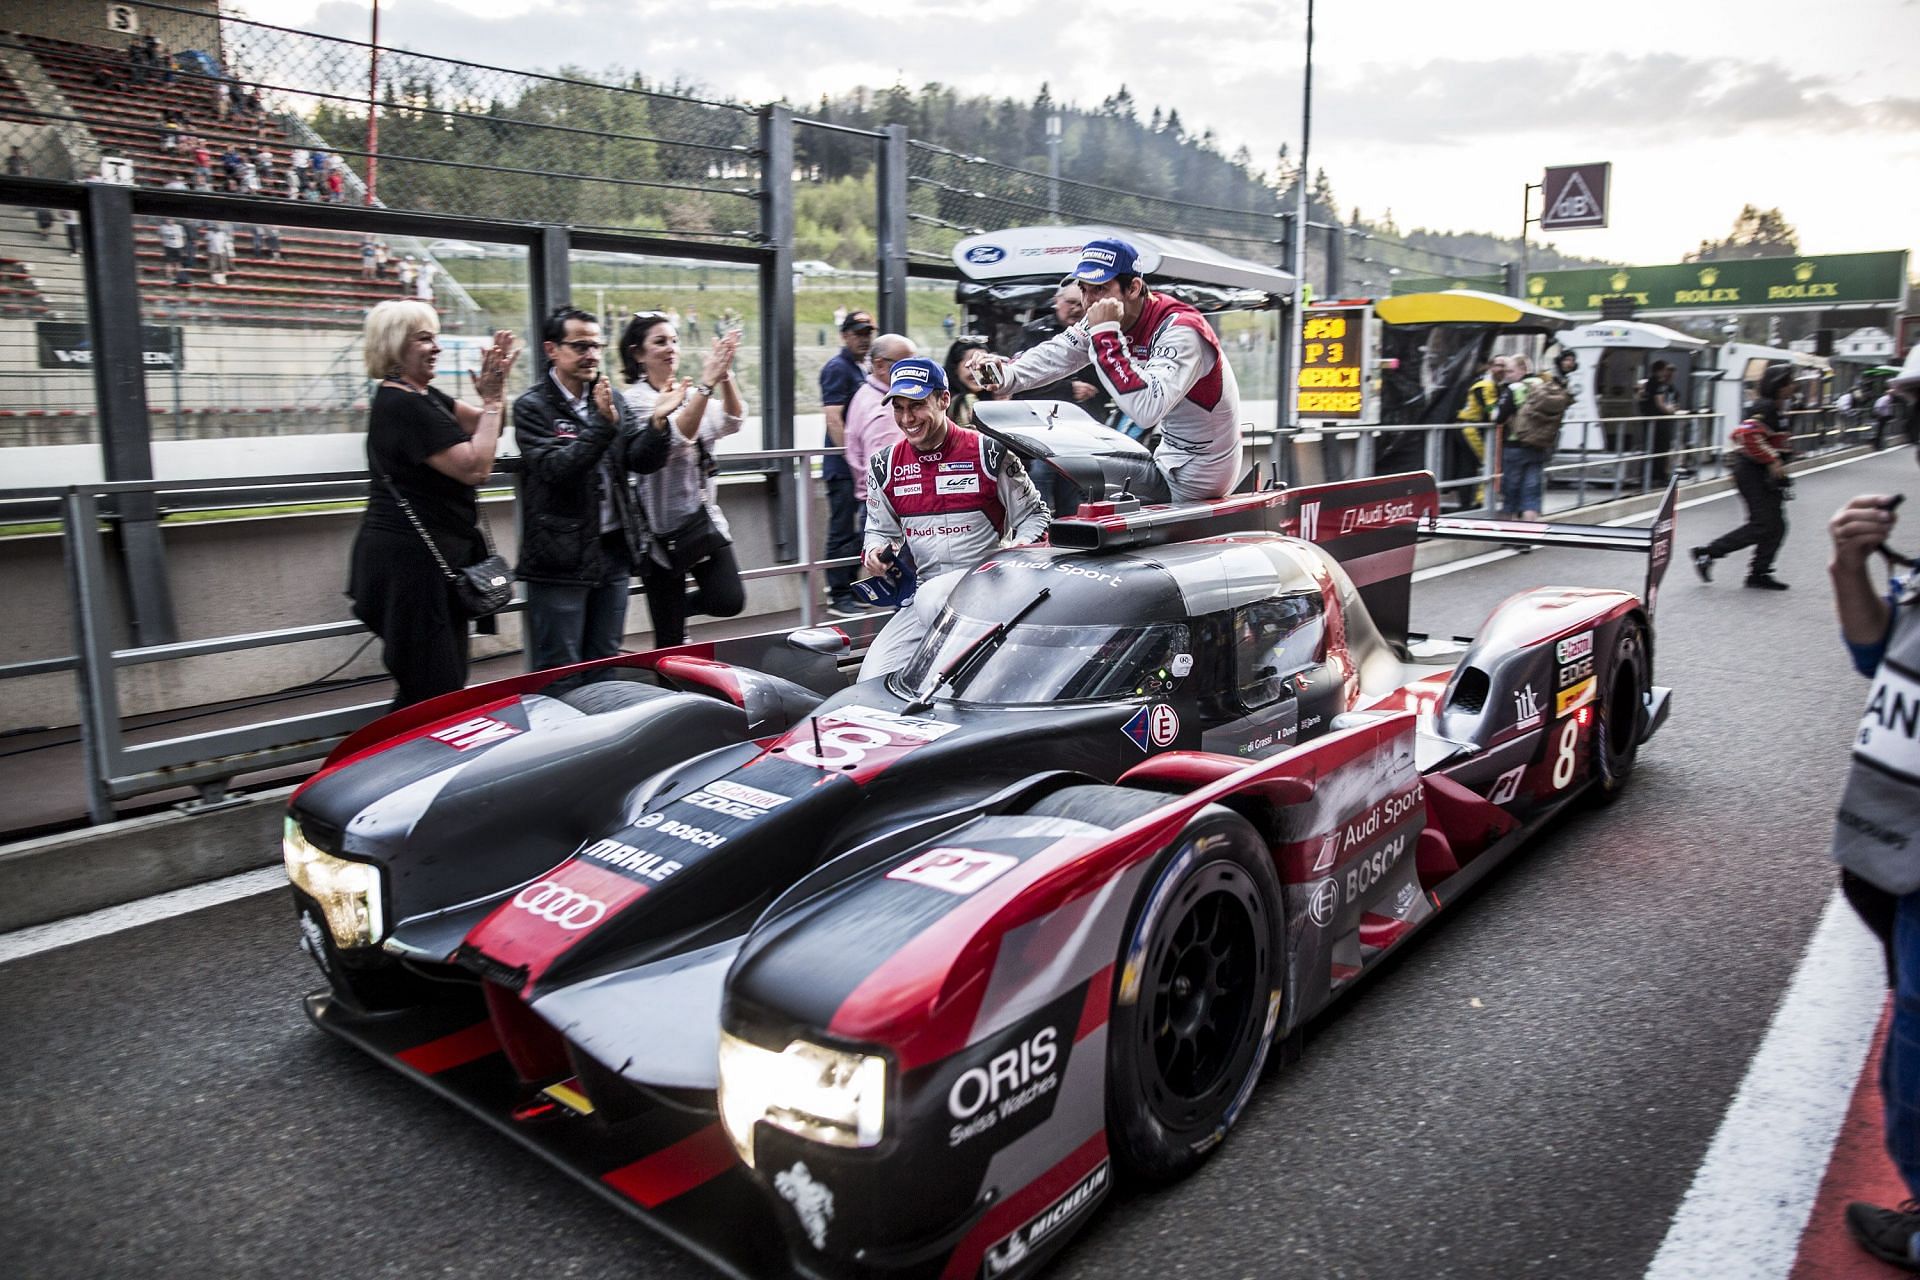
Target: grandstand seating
x,y
316,280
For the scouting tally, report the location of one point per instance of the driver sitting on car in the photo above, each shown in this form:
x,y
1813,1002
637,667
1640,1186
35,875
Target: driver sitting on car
x,y
1157,358
949,493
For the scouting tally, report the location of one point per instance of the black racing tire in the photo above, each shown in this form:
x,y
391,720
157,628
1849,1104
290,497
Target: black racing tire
x,y
1196,991
1620,719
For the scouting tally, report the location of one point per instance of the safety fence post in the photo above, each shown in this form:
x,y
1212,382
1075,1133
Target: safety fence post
x,y
550,284
776,322
120,388
891,195
94,684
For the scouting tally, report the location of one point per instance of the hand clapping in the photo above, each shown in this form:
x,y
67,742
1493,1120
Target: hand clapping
x,y
495,361
719,362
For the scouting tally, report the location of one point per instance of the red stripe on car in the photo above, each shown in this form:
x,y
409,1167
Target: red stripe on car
x,y
449,1051
694,1161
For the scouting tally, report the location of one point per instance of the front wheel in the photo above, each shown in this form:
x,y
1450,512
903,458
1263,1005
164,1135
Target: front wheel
x,y
1196,995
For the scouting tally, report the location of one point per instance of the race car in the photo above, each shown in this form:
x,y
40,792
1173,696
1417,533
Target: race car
x,y
896,978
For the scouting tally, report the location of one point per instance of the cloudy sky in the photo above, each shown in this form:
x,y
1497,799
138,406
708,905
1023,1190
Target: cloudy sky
x,y
1442,112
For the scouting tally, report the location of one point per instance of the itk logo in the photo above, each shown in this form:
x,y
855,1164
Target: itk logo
x,y
1526,707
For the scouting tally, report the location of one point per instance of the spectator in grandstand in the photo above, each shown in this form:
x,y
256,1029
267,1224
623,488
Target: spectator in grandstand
x,y
690,534
870,424
249,178
16,164
219,251
297,180
136,61
1761,447
256,240
409,272
173,239
380,257
368,269
428,454
840,377
583,531
299,157
202,165
72,218
255,110
336,187
423,283
273,243
172,125
319,161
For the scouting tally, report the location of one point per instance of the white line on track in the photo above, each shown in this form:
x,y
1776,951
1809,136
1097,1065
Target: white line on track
x,y
1748,1205
96,924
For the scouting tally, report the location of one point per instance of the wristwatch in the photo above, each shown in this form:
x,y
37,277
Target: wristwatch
x,y
703,388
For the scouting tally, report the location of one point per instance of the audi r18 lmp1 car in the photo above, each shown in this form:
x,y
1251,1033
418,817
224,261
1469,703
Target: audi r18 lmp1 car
x,y
896,978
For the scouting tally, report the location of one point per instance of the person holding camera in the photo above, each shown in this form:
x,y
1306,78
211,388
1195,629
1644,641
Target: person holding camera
x,y
1159,360
690,534
581,530
1761,447
429,454
1876,835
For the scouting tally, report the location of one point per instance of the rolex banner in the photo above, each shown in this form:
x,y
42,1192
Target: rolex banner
x,y
1741,284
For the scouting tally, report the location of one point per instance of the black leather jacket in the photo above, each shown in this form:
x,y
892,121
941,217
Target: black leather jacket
x,y
561,478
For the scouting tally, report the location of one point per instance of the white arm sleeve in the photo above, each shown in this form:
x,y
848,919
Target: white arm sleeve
x,y
1064,353
1148,392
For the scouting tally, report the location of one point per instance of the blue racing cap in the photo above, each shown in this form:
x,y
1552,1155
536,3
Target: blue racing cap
x,y
1102,260
915,378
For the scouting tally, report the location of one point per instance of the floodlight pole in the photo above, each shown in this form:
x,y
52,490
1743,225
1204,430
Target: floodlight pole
x,y
1291,415
1526,220
1053,167
373,105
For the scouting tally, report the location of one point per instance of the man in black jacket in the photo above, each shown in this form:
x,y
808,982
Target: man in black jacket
x,y
581,531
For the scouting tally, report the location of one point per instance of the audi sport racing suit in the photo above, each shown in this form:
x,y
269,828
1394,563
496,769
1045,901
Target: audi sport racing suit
x,y
951,505
1168,372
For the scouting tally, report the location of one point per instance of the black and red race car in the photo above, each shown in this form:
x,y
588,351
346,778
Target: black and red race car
x,y
897,977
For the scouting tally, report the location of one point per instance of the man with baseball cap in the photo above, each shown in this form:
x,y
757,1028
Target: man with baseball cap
x,y
948,493
1161,362
839,379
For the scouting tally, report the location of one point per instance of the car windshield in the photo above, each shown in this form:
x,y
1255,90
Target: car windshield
x,y
1032,663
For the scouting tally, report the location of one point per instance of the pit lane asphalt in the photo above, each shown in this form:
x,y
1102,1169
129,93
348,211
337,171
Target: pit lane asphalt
x,y
1526,1091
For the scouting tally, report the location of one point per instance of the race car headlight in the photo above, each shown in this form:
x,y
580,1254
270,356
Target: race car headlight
x,y
826,1095
348,892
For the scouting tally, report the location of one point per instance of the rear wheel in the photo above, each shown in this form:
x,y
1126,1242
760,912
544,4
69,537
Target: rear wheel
x,y
1620,721
1196,985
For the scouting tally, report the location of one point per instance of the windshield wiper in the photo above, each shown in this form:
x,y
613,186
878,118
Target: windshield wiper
x,y
988,641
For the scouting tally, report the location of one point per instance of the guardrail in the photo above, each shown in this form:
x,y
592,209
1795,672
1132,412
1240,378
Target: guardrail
x,y
117,770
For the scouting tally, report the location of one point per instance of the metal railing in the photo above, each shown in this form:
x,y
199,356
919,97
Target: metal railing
x,y
117,769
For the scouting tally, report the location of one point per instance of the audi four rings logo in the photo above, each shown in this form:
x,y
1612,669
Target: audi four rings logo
x,y
557,904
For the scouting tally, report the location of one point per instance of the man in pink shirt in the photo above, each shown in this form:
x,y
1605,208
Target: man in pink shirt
x,y
870,424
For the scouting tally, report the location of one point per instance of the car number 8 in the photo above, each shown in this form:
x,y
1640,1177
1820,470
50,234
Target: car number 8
x,y
842,744
1563,762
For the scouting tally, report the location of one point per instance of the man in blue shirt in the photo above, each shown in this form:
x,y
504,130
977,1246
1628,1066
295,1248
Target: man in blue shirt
x,y
842,376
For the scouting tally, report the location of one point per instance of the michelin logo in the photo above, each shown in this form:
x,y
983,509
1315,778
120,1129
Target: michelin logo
x,y
1016,1248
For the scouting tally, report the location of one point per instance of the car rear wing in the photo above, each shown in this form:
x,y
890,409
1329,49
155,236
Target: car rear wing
x,y
1655,542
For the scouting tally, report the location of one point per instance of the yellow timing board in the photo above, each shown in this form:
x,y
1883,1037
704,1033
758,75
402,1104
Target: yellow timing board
x,y
1333,358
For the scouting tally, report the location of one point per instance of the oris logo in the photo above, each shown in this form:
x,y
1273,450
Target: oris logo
x,y
1007,1077
985,254
557,904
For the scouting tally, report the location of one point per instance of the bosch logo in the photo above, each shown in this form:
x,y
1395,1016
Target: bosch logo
x,y
557,904
983,254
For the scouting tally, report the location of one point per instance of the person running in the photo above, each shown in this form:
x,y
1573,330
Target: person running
x,y
1761,447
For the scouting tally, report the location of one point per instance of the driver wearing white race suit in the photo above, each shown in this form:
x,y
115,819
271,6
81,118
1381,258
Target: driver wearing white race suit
x,y
1160,360
951,494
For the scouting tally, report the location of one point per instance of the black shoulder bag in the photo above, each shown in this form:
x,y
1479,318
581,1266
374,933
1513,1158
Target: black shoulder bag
x,y
481,588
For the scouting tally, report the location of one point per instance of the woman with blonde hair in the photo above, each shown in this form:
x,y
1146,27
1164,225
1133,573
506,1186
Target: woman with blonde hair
x,y
428,454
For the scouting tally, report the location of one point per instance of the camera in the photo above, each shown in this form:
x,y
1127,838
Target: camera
x,y
987,373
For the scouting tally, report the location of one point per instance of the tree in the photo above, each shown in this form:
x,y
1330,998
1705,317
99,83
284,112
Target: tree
x,y
1757,233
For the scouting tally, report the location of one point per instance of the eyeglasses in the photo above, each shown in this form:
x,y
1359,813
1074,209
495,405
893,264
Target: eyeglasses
x,y
584,346
649,315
